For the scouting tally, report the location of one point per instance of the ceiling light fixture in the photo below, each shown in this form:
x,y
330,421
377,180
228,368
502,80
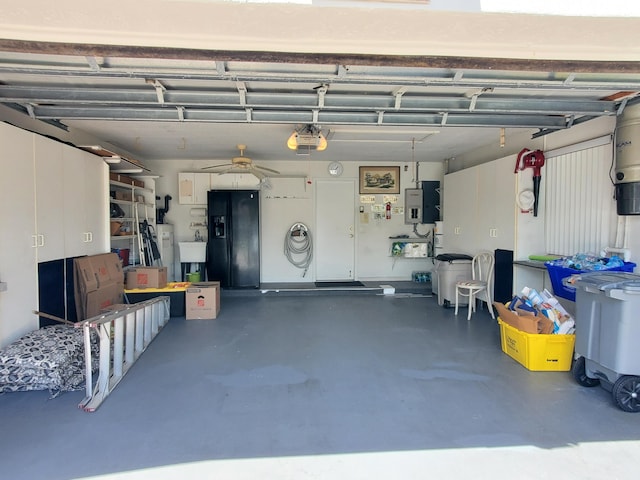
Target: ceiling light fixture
x,y
307,138
112,160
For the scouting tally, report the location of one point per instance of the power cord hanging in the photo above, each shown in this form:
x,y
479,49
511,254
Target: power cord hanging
x,y
298,246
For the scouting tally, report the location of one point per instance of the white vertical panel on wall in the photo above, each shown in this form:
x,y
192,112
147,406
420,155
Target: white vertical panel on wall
x,y
580,208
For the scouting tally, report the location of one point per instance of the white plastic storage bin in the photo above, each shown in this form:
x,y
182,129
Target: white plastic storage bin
x,y
449,268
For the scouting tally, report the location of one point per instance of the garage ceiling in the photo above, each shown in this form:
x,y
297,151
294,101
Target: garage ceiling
x,y
164,107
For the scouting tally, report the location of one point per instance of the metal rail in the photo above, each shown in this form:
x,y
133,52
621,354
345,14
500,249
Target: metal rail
x,y
124,335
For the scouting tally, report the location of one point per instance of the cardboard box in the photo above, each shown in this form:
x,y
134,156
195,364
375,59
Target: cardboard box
x,y
116,177
526,323
125,195
202,301
98,283
147,277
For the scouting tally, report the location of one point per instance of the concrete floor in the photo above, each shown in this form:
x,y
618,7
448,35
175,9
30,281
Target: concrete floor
x,y
326,386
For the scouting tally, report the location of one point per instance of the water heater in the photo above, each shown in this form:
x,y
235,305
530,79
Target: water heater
x,y
627,169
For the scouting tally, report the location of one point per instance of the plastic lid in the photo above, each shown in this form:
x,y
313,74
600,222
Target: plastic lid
x,y
632,286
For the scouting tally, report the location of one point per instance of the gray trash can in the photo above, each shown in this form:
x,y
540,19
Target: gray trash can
x,y
449,268
607,333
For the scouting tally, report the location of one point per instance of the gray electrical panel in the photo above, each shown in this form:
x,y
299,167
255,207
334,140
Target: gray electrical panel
x,y
412,206
422,205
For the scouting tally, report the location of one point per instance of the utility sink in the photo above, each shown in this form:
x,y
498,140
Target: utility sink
x,y
193,252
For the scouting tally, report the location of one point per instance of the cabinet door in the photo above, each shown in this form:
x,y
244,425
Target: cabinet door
x,y
222,181
201,185
74,202
96,203
233,181
193,188
17,241
50,212
186,188
460,192
496,205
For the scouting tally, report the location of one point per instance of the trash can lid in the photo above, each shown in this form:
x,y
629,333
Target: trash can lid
x,y
609,280
449,257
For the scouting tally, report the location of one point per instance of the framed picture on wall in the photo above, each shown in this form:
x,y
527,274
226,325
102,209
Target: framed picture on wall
x,y
379,180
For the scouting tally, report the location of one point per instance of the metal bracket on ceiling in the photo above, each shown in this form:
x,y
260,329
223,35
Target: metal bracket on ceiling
x,y
572,118
458,76
180,113
242,90
322,91
398,94
445,117
474,96
621,107
249,113
316,114
221,68
380,117
569,80
93,63
342,71
30,110
160,89
474,100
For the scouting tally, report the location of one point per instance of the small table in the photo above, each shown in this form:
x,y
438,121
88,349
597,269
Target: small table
x,y
175,291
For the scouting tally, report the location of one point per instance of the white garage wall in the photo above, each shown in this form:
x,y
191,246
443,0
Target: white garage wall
x,y
373,259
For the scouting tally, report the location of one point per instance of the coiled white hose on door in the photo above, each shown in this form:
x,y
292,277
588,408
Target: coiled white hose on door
x,y
298,246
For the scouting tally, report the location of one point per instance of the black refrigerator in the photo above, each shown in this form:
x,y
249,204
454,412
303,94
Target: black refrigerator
x,y
233,250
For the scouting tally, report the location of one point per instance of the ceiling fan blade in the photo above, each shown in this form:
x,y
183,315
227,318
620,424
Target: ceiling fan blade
x,y
266,169
257,173
217,166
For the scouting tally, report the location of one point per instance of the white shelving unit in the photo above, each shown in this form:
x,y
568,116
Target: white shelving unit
x,y
138,205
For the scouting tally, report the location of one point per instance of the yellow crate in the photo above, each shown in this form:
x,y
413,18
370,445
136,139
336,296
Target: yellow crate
x,y
537,352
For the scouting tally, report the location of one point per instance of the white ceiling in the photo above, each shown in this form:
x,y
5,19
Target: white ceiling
x,y
137,96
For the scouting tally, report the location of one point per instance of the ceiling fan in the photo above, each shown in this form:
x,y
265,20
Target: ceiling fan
x,y
243,164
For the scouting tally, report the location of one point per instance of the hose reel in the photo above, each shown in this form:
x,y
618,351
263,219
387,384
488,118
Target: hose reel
x,y
298,246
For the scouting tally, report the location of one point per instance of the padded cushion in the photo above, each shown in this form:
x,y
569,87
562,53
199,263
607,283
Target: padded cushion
x,y
51,358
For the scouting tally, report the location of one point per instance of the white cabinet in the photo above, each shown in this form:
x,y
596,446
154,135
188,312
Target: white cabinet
x,y
460,200
233,181
47,202
193,188
495,221
17,255
85,205
49,229
479,208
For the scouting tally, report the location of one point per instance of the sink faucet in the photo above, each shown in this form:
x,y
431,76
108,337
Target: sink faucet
x,y
198,238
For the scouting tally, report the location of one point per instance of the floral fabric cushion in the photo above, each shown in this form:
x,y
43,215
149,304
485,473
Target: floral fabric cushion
x,y
51,358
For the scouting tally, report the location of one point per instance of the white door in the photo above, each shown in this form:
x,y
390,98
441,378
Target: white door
x,y
334,236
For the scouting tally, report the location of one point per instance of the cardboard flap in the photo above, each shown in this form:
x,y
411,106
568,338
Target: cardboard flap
x,y
526,323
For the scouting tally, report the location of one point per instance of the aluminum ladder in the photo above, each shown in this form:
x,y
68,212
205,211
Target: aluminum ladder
x,y
124,335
